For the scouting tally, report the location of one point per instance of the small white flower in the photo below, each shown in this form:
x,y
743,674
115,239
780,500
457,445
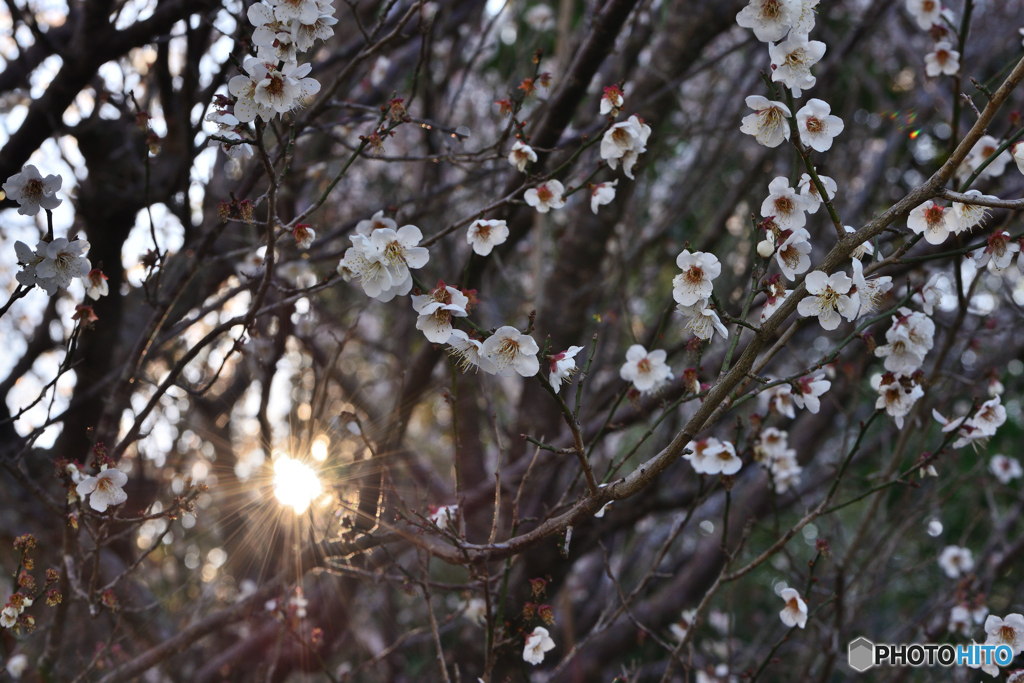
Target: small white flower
x,y
960,620
934,221
476,611
520,155
792,62
1005,469
63,261
436,311
932,293
869,290
611,101
485,235
17,665
956,561
910,338
793,254
228,126
970,215
711,456
96,283
546,197
942,60
780,399
998,253
926,12
795,611
694,283
785,205
809,192
469,353
770,19
32,191
602,193
863,249
512,352
702,321
561,366
1007,631
625,142
828,298
9,616
897,394
399,252
537,643
647,371
304,235
305,11
990,416
808,389
540,17
244,89
984,148
817,125
104,489
768,123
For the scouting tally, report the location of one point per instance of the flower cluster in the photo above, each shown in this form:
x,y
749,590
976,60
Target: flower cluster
x,y
54,264
380,258
692,291
772,448
711,456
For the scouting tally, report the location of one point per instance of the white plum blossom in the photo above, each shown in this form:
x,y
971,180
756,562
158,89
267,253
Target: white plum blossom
x,y
17,665
561,366
625,142
702,320
1005,469
512,352
768,123
998,253
96,284
305,33
272,37
247,108
711,456
695,282
306,11
436,311
971,215
910,338
777,294
793,254
780,399
611,101
520,155
1006,631
897,395
960,621
537,643
647,371
983,149
869,291
926,12
540,17
304,235
785,205
769,19
933,221
546,196
9,616
805,17
230,127
942,60
795,611
283,90
828,298
808,389
809,191
28,260
485,235
932,292
469,353
1018,156
32,191
104,489
602,193
376,222
990,416
475,610
792,62
772,447
863,249
62,261
381,262
817,125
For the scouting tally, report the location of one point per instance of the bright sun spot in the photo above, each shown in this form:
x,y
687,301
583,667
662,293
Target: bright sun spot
x,y
295,484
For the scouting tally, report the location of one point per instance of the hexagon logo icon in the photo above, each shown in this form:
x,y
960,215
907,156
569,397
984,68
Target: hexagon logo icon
x,y
861,654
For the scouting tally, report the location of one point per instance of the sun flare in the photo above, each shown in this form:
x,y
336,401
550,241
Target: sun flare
x,y
295,484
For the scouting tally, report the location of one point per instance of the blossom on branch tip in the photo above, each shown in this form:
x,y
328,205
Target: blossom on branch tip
x,y
611,101
784,205
809,191
485,235
695,282
647,371
998,253
769,19
32,191
602,193
711,456
104,489
926,13
520,155
304,235
817,125
561,366
933,221
942,60
768,123
792,62
469,353
828,298
512,352
625,142
436,310
546,196
537,643
807,391
795,611
971,215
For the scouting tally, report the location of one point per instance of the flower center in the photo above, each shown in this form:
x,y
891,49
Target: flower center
x,y
644,366
484,231
815,125
1007,634
621,137
941,56
796,59
544,194
507,351
33,191
275,87
694,276
770,119
928,5
771,9
933,216
784,205
394,253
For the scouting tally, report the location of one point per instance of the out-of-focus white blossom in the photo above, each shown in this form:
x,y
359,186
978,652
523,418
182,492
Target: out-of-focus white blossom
x,y
546,196
647,371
